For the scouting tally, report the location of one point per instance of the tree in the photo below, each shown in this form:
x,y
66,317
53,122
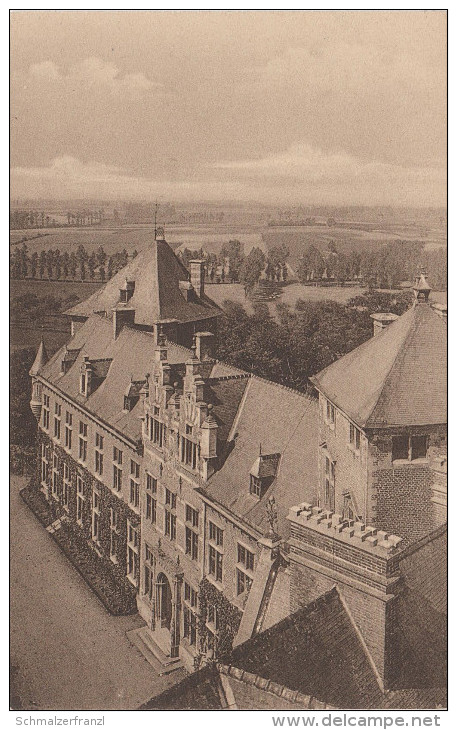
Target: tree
x,y
42,263
101,256
278,255
73,265
252,268
102,273
82,269
91,265
22,422
33,264
233,252
311,265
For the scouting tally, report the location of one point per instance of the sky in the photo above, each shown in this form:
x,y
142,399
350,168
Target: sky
x,y
298,107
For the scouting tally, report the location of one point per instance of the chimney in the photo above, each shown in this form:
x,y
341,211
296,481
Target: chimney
x,y
197,276
204,345
381,320
121,317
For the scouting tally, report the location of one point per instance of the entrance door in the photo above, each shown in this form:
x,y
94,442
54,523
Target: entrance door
x,y
164,601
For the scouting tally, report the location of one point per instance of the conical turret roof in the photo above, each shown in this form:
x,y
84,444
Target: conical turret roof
x,y
397,378
157,296
41,359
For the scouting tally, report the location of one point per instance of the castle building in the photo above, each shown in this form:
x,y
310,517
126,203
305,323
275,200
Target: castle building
x,y
239,509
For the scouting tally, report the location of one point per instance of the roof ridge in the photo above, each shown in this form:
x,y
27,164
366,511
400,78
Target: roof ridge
x,y
265,685
284,387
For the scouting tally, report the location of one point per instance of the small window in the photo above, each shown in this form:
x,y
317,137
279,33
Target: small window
x,y
400,448
354,437
418,447
330,413
256,486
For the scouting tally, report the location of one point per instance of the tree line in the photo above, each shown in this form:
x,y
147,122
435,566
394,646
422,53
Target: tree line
x,y
232,265
40,219
57,265
384,267
299,341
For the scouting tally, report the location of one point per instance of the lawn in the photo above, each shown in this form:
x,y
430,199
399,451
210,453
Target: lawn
x,y
290,294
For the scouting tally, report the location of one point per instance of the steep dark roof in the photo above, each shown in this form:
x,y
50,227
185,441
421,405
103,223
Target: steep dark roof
x,y
199,691
156,272
116,363
284,422
316,651
397,378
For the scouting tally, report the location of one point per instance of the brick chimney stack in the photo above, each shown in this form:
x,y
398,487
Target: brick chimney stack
x,y
121,317
381,320
197,276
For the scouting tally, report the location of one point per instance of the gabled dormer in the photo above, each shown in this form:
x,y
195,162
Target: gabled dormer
x,y
68,359
263,473
132,394
92,374
126,291
85,378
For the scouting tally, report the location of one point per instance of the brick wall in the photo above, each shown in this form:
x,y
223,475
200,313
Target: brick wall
x,y
401,493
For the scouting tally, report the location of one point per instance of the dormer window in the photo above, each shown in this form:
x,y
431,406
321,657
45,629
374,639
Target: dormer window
x,y
127,403
83,384
256,486
263,473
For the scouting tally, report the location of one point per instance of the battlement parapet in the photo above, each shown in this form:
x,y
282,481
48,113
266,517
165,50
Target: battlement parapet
x,y
346,532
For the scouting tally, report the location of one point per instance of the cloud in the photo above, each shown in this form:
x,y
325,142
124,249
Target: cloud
x,y
93,72
337,177
301,174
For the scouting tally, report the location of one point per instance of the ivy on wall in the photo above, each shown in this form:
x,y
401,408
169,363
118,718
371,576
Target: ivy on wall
x,y
229,618
108,502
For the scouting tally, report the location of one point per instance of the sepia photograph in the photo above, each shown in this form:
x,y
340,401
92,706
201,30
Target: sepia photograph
x,y
228,363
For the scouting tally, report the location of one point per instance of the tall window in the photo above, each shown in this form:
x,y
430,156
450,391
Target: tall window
x,y
82,441
114,535
44,465
151,499
96,516
190,614
66,486
354,437
256,486
117,469
55,475
57,420
80,499
330,413
188,449
216,542
99,453
68,429
170,514
191,532
409,448
244,570
134,483
133,542
46,411
156,428
329,483
148,572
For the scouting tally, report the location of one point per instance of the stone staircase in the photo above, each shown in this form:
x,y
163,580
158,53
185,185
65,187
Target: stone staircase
x,y
266,291
155,647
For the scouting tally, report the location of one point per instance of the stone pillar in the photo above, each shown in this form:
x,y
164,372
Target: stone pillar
x,y
176,615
